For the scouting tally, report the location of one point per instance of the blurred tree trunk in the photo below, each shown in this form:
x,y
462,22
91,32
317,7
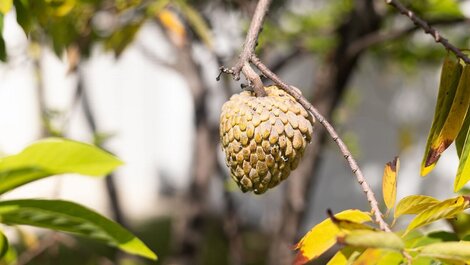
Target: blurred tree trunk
x,y
190,228
329,87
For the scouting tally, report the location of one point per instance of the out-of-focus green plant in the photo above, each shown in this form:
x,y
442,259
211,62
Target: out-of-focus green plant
x,y
55,156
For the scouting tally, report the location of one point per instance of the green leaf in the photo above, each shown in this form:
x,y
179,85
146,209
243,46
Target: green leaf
x,y
121,38
461,225
414,204
23,15
372,239
454,120
5,6
4,245
323,236
51,157
450,75
3,49
443,210
458,251
463,172
432,238
73,218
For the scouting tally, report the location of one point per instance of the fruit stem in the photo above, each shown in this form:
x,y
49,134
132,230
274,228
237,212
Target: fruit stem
x,y
255,80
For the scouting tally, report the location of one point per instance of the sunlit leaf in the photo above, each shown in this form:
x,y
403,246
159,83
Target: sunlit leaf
x,y
372,239
459,251
73,218
389,182
463,172
414,204
390,258
443,210
5,6
376,256
323,236
450,75
343,256
368,257
454,120
51,157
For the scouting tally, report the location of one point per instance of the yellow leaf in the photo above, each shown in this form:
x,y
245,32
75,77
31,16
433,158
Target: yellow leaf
x,y
372,239
173,25
369,257
443,210
375,256
323,236
389,182
450,75
453,251
343,256
5,6
390,258
414,204
454,120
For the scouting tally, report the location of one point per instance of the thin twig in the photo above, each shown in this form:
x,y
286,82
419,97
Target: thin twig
x,y
334,135
428,29
249,48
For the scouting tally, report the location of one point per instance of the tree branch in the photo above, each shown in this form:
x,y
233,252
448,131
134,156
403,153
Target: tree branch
x,y
249,49
248,56
334,135
428,29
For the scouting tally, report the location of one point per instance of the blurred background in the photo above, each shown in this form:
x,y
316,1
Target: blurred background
x,y
138,77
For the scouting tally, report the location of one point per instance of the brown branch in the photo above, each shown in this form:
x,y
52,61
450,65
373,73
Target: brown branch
x,y
428,29
249,48
334,135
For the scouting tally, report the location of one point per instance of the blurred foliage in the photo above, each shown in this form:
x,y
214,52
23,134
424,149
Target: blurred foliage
x,y
71,24
55,156
315,31
435,9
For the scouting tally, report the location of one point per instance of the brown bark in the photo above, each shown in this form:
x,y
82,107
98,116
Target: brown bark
x,y
190,228
330,83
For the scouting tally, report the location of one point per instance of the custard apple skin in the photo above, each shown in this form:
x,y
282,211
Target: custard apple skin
x,y
263,138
